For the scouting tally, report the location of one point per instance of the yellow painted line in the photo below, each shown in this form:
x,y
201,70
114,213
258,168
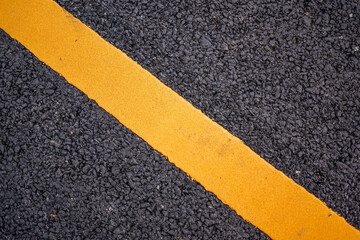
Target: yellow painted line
x,y
219,161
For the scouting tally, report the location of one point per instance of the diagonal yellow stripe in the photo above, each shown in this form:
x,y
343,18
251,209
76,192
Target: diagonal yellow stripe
x,y
219,161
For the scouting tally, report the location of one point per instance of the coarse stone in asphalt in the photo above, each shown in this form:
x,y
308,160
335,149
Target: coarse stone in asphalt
x,y
283,76
69,170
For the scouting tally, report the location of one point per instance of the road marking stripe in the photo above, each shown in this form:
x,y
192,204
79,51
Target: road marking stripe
x,y
219,161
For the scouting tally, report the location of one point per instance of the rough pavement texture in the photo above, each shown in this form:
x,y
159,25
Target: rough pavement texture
x,y
69,170
282,76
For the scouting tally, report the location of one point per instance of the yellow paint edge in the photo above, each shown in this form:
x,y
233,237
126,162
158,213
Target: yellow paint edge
x,y
219,161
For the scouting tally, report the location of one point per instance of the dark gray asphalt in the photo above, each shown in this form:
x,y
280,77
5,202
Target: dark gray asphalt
x,y
69,170
282,76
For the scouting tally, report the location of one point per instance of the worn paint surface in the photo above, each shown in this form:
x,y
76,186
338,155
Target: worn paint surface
x,y
219,161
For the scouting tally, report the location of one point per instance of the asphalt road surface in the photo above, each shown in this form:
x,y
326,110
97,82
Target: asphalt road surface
x,y
282,76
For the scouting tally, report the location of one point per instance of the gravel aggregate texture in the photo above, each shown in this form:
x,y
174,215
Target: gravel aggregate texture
x,y
69,170
283,76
